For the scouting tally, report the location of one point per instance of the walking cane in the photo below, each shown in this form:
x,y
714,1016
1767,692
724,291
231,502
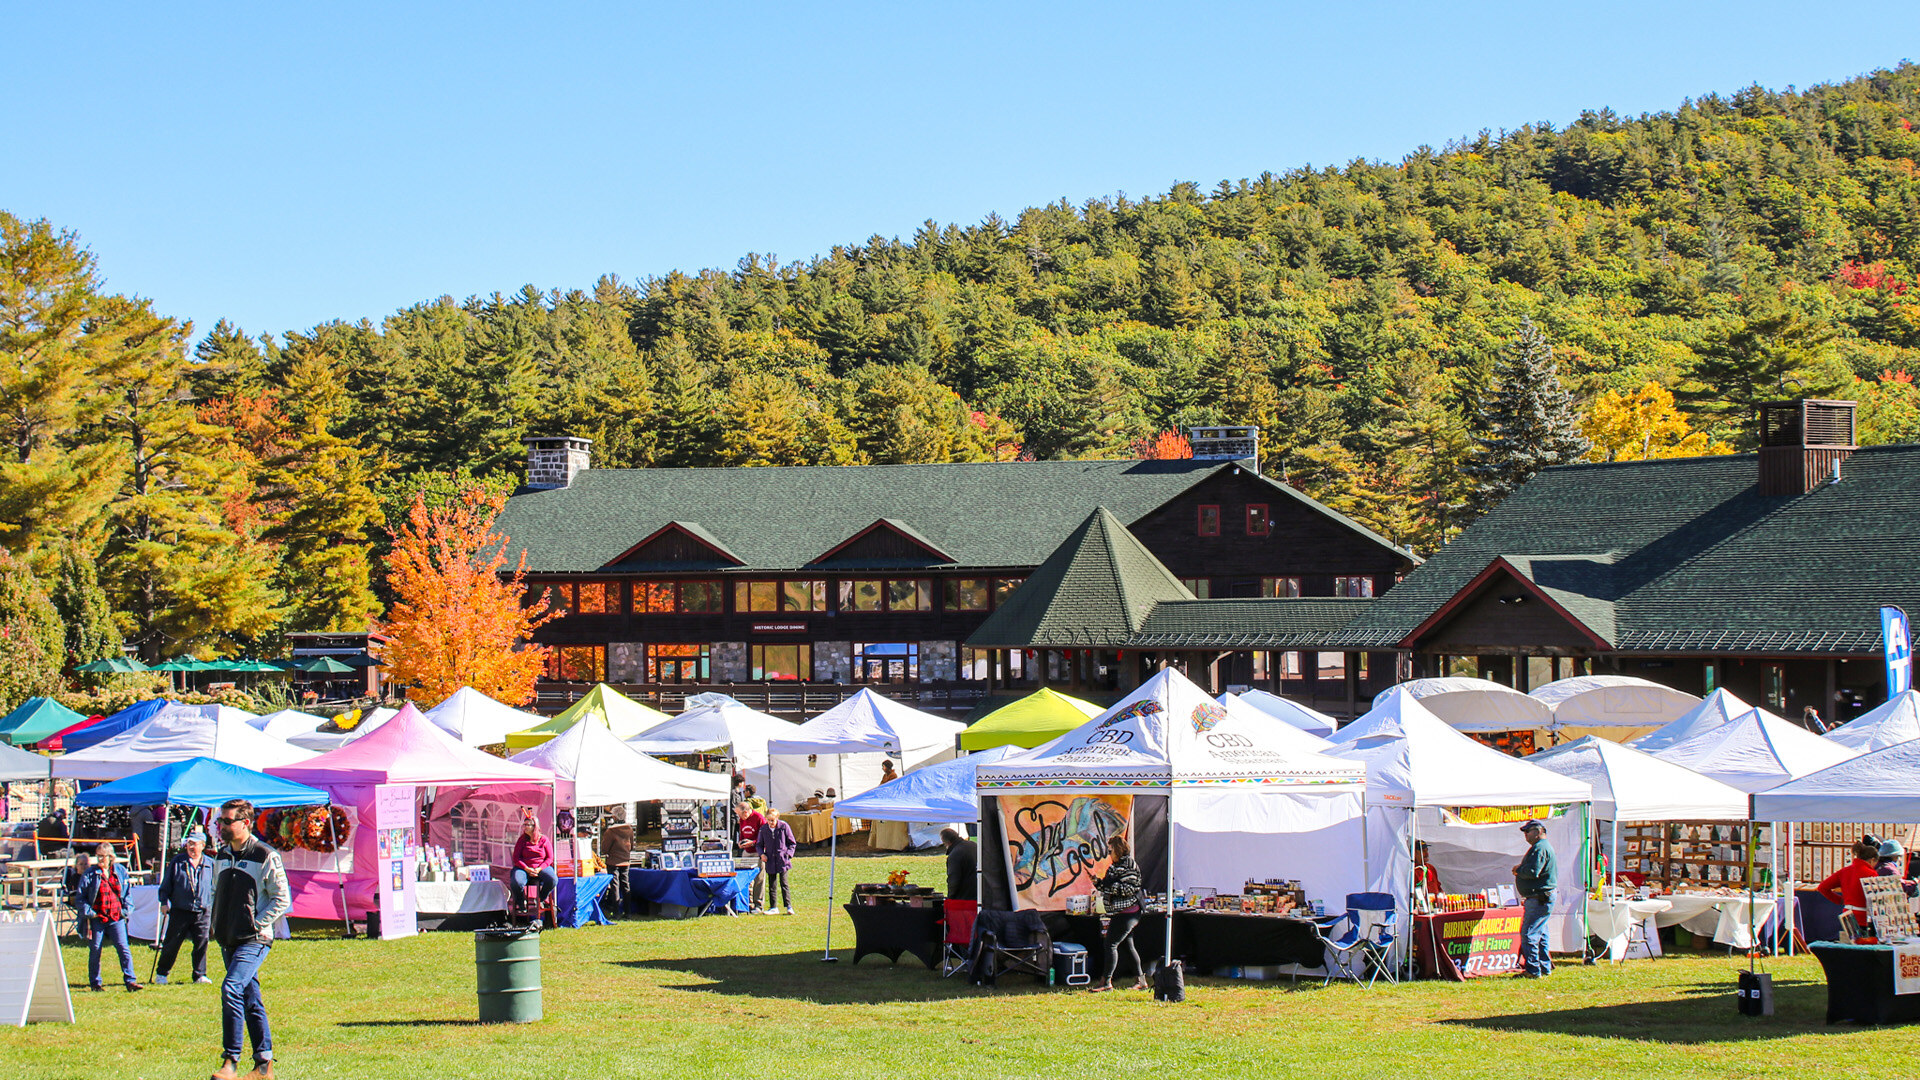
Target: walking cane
x,y
159,936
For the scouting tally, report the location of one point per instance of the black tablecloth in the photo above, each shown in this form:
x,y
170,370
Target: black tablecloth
x,y
1207,940
891,929
1860,985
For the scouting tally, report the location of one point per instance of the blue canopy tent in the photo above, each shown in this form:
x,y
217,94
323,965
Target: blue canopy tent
x,y
113,725
201,782
943,792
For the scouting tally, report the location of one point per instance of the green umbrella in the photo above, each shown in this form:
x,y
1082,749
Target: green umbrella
x,y
178,663
258,666
324,665
118,665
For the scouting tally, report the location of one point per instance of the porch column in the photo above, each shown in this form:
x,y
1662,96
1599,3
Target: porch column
x,y
1353,683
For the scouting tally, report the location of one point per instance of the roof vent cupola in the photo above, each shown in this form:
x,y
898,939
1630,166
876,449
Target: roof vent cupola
x,y
1802,444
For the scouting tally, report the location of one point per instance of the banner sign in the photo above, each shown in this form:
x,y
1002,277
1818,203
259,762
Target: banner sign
x,y
397,843
1469,944
1057,844
1896,637
1500,815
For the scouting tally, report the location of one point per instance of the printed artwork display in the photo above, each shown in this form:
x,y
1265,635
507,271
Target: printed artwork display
x,y
1057,845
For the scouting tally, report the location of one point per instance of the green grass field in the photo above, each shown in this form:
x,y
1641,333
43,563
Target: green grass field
x,y
749,996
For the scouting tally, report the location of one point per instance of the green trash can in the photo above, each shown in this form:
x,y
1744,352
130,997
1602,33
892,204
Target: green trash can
x,y
507,971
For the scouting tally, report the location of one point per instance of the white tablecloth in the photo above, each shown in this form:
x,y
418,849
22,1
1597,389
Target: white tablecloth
x,y
451,897
143,915
1612,921
1725,918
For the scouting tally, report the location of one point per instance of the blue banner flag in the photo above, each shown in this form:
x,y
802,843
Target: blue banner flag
x,y
1895,638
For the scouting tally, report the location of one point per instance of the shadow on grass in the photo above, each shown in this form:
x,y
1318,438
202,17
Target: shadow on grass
x,y
802,976
1707,1015
413,1023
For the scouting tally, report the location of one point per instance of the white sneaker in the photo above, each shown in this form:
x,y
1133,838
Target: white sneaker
x,y
203,979
789,911
159,980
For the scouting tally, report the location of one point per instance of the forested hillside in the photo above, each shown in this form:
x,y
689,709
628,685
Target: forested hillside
x,y
224,485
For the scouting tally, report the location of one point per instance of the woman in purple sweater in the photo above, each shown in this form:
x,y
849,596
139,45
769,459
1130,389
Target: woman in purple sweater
x,y
532,863
776,846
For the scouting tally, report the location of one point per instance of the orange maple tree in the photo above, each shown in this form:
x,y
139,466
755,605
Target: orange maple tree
x,y
458,620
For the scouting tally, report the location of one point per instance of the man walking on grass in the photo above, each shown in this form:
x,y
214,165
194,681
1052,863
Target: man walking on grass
x,y
186,906
249,897
1533,879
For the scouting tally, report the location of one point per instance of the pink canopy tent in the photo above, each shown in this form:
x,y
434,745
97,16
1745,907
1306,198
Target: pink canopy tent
x,y
408,750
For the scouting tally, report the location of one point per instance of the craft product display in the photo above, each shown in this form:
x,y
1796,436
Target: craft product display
x,y
1688,855
304,828
1889,911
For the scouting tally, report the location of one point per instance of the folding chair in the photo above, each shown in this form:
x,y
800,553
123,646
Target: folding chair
x,y
1010,941
958,938
1363,934
1376,950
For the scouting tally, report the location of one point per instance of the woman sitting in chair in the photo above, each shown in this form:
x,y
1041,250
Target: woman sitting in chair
x,y
532,863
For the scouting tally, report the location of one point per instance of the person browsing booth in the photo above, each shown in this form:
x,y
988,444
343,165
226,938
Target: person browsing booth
x,y
1534,879
1843,885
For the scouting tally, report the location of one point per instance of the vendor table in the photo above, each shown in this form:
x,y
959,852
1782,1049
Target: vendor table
x,y
683,888
1724,918
819,826
891,929
577,901
458,897
1208,940
888,835
1860,984
1462,945
1612,921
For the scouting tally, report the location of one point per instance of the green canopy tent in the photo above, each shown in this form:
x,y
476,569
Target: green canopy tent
x,y
1041,716
621,714
37,718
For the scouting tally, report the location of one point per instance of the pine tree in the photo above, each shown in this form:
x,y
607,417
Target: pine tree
x,y
1773,353
31,645
86,615
1527,424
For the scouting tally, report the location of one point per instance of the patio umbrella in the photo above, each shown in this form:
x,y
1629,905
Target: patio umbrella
x,y
118,665
178,663
323,665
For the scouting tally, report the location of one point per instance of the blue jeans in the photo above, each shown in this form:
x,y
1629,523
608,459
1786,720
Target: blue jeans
x,y
101,933
240,1004
545,876
1533,937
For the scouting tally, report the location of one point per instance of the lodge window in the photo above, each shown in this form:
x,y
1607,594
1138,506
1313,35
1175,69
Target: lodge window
x,y
665,597
1003,588
1709,678
1201,588
678,663
1330,666
597,597
1353,586
1774,685
967,594
1258,524
702,597
803,596
1209,521
886,662
577,663
559,595
906,594
1279,586
1290,665
779,596
910,594
653,597
783,663
860,596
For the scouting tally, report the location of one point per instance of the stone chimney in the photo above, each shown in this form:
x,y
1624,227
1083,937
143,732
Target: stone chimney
x,y
554,460
1235,443
1802,444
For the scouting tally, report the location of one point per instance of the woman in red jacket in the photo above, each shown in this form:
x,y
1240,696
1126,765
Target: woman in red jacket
x,y
1843,885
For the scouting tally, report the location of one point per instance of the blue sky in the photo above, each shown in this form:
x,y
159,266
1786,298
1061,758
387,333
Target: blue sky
x,y
279,168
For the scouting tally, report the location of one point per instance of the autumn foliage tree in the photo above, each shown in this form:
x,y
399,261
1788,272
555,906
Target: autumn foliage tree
x,y
457,620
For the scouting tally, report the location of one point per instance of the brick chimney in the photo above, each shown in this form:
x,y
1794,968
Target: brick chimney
x,y
1802,444
554,460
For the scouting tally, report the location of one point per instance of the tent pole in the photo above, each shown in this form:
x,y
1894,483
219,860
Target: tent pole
x,y
1170,845
833,860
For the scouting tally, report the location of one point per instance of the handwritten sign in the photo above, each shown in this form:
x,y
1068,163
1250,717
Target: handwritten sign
x,y
1469,944
1057,845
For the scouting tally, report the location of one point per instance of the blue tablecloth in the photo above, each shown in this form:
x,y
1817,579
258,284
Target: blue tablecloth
x,y
577,901
682,887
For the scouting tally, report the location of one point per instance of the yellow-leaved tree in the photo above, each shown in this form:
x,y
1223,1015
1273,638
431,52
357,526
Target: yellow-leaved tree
x,y
457,620
1642,426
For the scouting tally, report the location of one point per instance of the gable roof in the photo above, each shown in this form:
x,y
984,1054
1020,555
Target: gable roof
x,y
692,530
1687,555
1097,588
898,528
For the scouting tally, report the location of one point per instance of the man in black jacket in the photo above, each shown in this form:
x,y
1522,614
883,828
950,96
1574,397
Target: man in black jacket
x,y
186,904
249,896
963,864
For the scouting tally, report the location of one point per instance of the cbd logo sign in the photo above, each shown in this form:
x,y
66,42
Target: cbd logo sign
x,y
1229,740
1114,737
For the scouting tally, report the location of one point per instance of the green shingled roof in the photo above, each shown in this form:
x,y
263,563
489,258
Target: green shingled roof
x,y
1096,589
1687,555
1282,623
986,514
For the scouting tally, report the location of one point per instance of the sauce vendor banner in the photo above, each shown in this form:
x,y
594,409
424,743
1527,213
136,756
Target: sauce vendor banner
x,y
1057,845
1469,944
1500,815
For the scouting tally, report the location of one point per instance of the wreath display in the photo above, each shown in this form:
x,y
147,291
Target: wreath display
x,y
304,828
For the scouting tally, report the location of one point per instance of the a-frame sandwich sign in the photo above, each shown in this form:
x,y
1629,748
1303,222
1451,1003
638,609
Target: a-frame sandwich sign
x,y
33,982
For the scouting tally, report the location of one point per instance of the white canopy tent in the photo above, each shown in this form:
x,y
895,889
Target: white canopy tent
x,y
324,741
592,767
19,766
478,720
1428,782
1882,786
843,747
1472,704
1713,711
1617,705
1311,721
176,733
1245,796
1756,751
1895,722
286,723
715,723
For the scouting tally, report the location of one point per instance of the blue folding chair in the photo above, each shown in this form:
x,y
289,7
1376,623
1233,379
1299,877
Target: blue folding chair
x,y
1352,948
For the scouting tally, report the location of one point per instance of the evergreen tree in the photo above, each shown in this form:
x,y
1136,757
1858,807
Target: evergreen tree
x,y
1772,353
1527,424
85,613
31,645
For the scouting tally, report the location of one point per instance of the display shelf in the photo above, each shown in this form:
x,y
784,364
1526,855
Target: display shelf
x,y
1675,854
